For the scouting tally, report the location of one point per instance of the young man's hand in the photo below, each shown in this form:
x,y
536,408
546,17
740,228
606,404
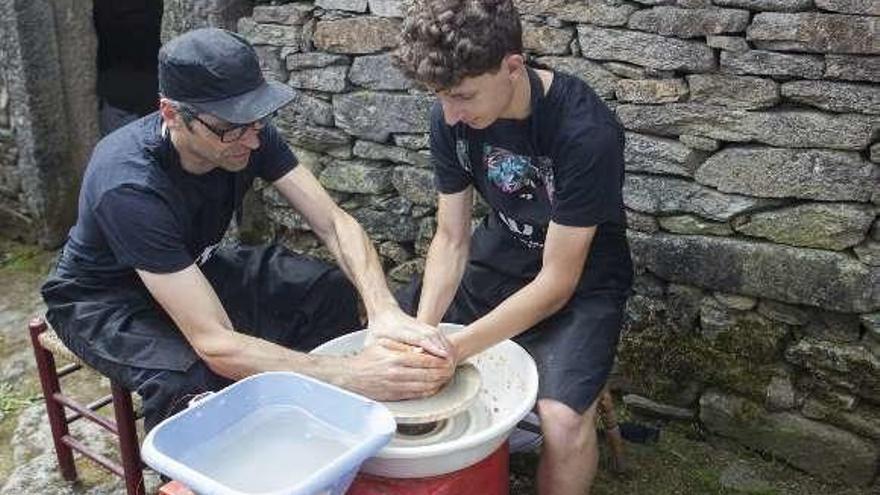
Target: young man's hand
x,y
398,326
388,370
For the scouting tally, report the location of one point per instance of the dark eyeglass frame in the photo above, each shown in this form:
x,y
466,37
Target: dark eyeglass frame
x,y
236,132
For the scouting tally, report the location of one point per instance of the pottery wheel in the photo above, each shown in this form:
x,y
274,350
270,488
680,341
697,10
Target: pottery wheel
x,y
453,398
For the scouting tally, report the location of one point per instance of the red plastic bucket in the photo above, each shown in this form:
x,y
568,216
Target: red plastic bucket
x,y
487,477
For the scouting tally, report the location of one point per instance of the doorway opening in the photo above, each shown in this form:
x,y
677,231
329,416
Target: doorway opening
x,y
128,34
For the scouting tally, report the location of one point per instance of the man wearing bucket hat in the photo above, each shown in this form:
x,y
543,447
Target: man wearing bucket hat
x,y
549,265
144,292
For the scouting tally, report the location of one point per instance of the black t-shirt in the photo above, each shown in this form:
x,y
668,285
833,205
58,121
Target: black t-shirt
x,y
564,163
139,209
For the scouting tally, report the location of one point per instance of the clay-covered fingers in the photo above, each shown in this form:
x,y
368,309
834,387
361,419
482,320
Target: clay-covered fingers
x,y
390,370
395,345
412,386
412,356
435,342
400,384
436,376
403,328
409,391
414,373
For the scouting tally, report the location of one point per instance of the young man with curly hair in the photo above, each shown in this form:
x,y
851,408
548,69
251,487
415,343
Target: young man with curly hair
x,y
549,265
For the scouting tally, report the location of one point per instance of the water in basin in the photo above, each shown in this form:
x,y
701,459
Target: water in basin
x,y
269,449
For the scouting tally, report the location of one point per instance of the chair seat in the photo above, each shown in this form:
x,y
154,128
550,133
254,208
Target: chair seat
x,y
52,343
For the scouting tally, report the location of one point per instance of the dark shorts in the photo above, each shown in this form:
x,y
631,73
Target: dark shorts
x,y
268,292
574,348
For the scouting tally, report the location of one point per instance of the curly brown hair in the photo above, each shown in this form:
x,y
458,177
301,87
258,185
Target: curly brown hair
x,y
445,41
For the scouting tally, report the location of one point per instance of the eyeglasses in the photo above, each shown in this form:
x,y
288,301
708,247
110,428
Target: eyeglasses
x,y
236,132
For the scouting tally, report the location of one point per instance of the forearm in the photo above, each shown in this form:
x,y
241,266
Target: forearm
x,y
564,259
357,257
192,304
190,301
444,268
342,235
355,253
237,355
539,299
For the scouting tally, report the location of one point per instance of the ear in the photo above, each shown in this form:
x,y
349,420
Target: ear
x,y
514,63
169,114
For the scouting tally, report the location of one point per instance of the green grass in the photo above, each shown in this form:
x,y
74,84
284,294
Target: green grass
x,y
12,400
23,258
675,465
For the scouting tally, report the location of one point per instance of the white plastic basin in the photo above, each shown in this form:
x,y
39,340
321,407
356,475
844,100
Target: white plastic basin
x,y
276,433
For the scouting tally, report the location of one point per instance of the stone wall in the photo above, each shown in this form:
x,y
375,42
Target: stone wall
x,y
180,16
752,190
12,220
48,50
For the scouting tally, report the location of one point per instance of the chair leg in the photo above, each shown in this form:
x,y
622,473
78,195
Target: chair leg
x,y
612,430
129,451
50,386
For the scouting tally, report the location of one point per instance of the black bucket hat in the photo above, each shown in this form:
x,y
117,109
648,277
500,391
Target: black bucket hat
x,y
218,72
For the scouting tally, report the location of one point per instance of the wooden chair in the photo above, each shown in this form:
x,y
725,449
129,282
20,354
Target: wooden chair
x,y
46,346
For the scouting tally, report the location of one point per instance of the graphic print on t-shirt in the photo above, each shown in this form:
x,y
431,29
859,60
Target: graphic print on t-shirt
x,y
562,164
526,183
461,153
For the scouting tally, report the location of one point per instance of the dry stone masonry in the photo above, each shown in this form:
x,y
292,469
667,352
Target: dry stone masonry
x,y
11,195
49,113
752,188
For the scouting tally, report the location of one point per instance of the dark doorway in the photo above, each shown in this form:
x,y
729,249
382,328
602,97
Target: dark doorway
x,y
128,43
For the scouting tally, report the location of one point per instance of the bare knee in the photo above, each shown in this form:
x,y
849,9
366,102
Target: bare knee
x,y
564,427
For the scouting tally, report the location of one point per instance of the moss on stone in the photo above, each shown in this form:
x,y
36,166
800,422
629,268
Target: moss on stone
x,y
753,337
660,361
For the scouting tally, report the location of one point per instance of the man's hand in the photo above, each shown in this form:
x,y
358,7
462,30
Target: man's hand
x,y
398,326
388,370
